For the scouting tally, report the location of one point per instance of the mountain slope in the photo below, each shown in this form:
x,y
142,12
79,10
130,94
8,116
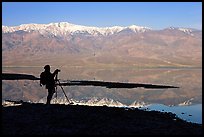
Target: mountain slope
x,y
132,45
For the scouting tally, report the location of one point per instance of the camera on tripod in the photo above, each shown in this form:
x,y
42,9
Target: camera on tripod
x,y
57,83
58,70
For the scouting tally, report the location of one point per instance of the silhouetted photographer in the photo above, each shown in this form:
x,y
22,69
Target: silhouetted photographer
x,y
48,79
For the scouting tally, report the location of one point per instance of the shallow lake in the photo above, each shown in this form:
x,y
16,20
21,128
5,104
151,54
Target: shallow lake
x,y
185,101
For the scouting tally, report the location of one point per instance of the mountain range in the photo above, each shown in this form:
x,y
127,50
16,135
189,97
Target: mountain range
x,y
62,43
65,28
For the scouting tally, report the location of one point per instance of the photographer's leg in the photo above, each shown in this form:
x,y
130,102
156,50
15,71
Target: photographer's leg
x,y
50,94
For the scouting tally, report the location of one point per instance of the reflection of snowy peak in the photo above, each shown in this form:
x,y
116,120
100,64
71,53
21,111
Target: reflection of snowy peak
x,y
186,103
109,102
94,101
101,102
7,103
65,28
138,104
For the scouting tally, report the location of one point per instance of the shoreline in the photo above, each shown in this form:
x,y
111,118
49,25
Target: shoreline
x,y
59,119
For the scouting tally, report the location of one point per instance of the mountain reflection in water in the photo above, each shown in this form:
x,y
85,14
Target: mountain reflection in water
x,y
189,81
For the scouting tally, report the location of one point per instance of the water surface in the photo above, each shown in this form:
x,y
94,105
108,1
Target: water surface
x,y
185,101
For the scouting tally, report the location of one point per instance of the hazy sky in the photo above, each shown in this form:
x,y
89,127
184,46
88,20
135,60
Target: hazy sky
x,y
156,15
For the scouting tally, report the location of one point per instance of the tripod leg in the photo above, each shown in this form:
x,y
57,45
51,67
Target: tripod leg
x,y
56,94
64,92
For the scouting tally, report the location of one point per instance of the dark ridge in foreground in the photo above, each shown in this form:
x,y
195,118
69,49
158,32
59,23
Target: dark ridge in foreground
x,y
10,76
58,119
113,84
14,76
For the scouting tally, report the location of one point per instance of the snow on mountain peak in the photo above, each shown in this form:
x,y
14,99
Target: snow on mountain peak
x,y
188,31
172,28
184,30
138,28
63,28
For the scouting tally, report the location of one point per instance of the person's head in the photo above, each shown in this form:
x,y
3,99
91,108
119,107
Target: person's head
x,y
47,67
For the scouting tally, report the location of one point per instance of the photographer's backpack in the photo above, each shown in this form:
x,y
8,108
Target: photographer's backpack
x,y
43,79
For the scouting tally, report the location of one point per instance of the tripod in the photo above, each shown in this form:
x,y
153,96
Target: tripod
x,y
58,82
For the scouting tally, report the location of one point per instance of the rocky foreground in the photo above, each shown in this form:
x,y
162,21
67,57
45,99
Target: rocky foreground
x,y
58,119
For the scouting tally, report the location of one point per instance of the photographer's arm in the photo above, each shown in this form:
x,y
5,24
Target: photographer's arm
x,y
56,72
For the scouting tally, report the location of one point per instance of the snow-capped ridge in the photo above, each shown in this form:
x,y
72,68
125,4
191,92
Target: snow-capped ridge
x,y
64,28
138,28
184,30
